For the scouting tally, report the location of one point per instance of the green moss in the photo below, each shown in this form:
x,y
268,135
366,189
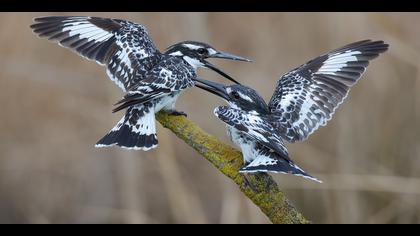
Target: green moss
x,y
260,188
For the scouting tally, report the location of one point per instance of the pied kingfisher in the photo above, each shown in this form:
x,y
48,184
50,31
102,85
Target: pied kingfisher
x,y
152,80
304,99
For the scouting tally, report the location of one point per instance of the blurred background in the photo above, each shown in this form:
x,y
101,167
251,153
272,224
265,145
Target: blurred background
x,y
55,106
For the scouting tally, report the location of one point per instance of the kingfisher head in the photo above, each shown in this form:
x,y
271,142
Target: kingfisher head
x,y
196,53
237,96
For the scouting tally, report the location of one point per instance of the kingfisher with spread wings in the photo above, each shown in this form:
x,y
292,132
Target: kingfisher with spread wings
x,y
152,80
304,99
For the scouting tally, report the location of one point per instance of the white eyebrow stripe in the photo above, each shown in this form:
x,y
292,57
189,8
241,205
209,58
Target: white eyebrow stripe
x,y
245,97
211,51
177,53
192,46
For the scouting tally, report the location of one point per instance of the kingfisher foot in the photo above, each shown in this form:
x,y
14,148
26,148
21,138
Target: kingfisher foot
x,y
177,113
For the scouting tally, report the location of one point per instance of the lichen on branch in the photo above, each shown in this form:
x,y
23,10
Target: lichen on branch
x,y
260,188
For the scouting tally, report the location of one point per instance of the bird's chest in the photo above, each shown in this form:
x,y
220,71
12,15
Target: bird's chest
x,y
246,144
237,137
167,102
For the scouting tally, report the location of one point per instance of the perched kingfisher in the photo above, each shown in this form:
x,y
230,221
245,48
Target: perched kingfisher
x,y
304,99
152,80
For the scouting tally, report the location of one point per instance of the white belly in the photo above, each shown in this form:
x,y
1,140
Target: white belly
x,y
167,103
246,145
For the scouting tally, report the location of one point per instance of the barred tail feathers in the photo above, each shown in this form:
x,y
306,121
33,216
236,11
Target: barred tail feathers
x,y
268,161
135,131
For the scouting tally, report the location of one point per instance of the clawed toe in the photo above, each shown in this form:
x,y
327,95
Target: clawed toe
x,y
178,113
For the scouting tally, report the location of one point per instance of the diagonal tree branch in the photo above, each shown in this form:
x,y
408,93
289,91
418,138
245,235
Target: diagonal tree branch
x,y
260,188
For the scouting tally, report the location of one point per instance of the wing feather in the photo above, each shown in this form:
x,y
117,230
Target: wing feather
x,y
170,76
122,46
307,97
254,126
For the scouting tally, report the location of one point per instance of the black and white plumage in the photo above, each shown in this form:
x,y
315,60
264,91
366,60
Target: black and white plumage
x,y
125,48
152,80
307,97
136,130
303,100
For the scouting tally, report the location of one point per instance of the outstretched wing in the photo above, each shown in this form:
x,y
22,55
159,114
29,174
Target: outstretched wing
x,y
121,46
170,76
307,97
254,126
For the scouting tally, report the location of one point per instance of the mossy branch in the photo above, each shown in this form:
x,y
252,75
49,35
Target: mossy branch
x,y
260,188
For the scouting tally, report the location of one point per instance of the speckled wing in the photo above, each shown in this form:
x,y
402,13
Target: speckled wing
x,y
125,48
170,76
254,126
307,97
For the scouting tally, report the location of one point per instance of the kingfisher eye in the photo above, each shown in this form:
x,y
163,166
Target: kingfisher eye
x,y
235,95
202,51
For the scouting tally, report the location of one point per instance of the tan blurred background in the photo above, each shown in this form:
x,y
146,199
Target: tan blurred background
x,y
55,106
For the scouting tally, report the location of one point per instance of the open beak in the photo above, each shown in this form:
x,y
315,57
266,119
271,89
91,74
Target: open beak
x,y
224,55
228,56
211,87
217,70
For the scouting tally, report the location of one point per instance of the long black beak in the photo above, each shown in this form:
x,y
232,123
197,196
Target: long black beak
x,y
228,56
214,88
218,71
224,55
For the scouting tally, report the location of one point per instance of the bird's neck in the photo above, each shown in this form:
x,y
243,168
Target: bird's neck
x,y
193,62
